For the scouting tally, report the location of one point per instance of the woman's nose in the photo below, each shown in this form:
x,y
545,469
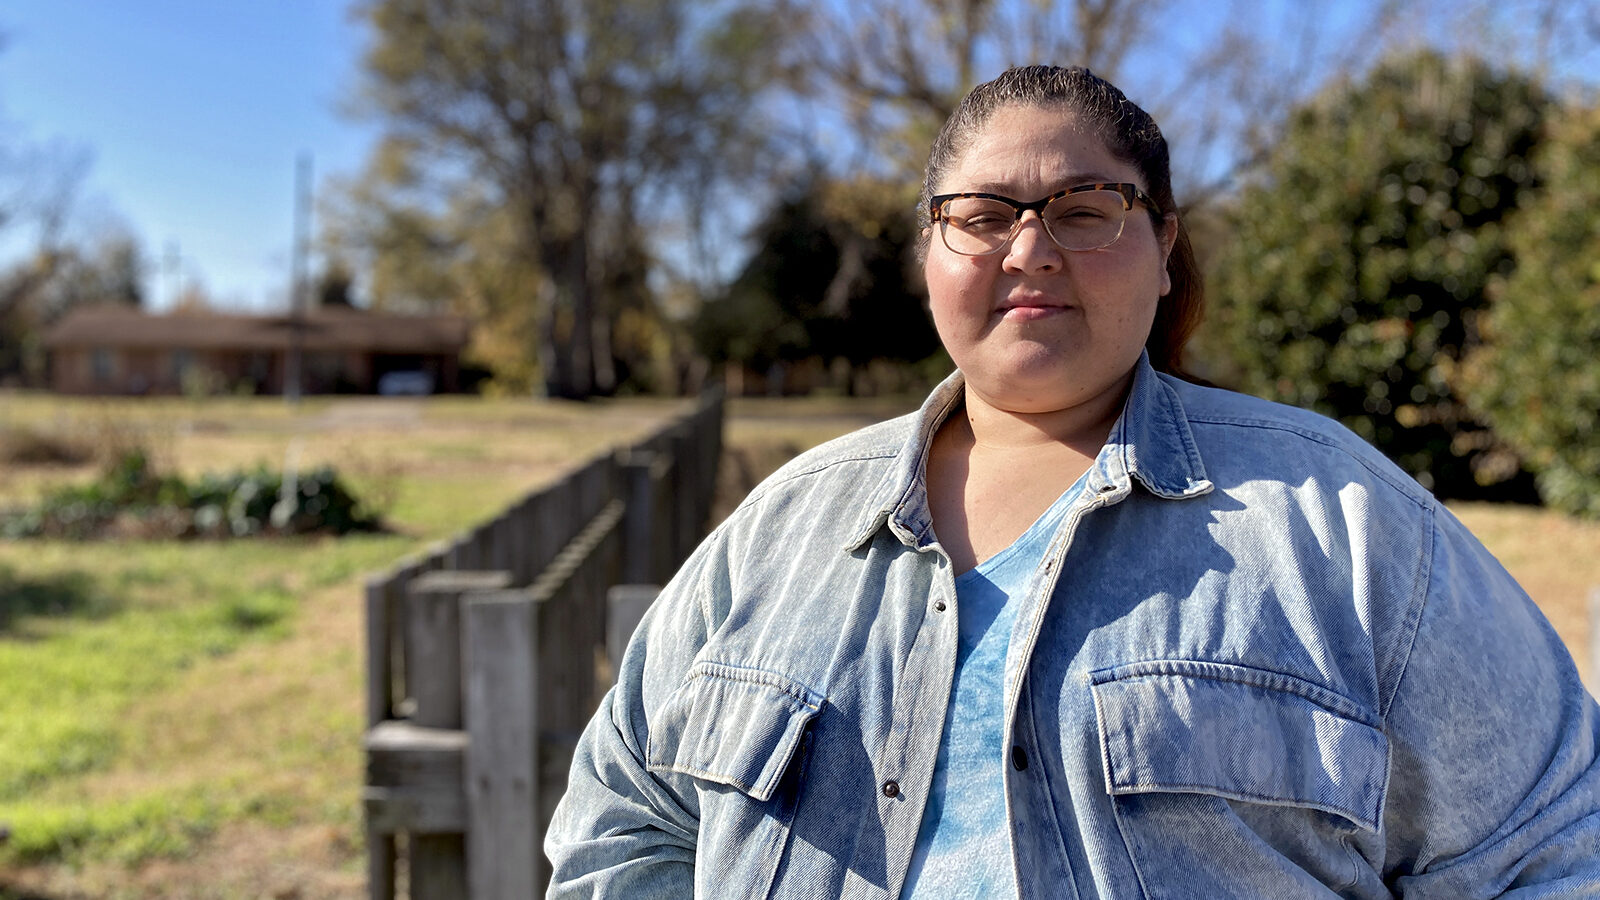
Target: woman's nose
x,y
1032,249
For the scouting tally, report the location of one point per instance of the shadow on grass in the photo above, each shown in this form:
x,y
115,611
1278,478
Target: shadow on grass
x,y
67,594
10,893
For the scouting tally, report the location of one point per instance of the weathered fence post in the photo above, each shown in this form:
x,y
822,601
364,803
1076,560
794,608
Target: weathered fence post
x,y
625,606
501,643
519,531
381,620
433,641
420,761
638,468
414,786
648,545
684,529
710,444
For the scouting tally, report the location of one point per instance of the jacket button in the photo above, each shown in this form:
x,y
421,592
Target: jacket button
x,y
938,605
891,789
1019,757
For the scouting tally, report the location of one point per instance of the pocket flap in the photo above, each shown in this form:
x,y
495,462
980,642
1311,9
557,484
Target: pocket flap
x,y
732,725
1240,733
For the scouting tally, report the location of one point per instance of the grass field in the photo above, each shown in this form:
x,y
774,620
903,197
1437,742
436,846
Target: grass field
x,y
182,719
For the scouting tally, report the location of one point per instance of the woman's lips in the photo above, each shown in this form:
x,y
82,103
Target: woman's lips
x,y
1029,311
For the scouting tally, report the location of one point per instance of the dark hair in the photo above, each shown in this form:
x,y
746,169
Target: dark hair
x,y
1129,134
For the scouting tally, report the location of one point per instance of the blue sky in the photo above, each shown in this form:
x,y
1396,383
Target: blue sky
x,y
193,113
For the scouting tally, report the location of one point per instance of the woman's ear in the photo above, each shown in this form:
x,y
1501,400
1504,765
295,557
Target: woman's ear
x,y
1168,236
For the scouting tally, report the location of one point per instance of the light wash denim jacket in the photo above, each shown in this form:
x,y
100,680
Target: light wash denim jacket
x,y
1258,661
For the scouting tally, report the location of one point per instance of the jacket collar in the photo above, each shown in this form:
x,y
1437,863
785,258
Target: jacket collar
x,y
1150,443
1153,440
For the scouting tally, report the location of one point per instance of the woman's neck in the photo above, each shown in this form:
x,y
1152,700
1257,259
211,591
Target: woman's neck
x,y
1082,428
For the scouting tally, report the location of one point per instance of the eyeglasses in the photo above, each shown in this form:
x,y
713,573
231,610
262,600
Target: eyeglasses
x,y
1086,217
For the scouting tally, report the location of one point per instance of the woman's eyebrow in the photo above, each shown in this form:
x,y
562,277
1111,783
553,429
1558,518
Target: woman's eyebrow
x,y
1071,181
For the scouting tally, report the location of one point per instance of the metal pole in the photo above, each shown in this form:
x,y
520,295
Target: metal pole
x,y
297,286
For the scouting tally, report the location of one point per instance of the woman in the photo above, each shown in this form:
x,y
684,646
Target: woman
x,y
1079,628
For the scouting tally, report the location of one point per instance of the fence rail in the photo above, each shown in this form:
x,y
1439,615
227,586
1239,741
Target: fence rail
x,y
486,657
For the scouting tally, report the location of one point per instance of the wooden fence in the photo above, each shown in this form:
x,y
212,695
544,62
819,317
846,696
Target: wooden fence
x,y
486,657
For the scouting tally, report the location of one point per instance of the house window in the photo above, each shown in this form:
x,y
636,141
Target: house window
x,y
100,364
182,359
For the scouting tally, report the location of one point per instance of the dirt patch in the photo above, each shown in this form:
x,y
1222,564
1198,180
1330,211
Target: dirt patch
x,y
241,862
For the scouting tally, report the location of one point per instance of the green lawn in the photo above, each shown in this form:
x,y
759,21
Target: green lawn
x,y
167,700
113,625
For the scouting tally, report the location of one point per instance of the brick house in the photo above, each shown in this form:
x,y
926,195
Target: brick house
x,y
116,350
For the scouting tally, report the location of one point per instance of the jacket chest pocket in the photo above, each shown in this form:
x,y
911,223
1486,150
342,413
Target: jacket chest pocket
x,y
742,735
1233,781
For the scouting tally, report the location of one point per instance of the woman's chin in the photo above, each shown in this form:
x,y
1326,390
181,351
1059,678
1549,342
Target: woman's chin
x,y
1044,382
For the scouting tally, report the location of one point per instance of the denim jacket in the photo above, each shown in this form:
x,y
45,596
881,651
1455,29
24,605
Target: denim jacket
x,y
1257,661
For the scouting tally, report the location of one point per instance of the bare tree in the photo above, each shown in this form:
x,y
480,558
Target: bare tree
x,y
575,113
38,188
1220,79
895,69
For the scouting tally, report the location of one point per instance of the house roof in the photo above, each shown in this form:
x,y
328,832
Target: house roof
x,y
323,329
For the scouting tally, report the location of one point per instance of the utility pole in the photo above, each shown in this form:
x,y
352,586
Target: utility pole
x,y
297,280
174,274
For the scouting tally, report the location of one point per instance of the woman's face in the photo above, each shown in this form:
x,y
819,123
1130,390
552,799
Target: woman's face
x,y
1034,328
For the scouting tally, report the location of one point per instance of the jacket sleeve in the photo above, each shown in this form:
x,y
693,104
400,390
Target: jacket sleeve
x,y
621,830
1495,780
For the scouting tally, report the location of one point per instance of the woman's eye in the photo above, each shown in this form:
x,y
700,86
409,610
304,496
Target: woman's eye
x,y
1080,215
984,222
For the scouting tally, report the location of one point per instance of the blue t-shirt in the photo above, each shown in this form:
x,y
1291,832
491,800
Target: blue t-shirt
x,y
964,844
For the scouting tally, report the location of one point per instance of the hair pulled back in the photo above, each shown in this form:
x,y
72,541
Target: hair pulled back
x,y
1130,134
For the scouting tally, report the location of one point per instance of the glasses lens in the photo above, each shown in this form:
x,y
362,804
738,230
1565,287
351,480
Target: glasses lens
x,y
975,226
1086,221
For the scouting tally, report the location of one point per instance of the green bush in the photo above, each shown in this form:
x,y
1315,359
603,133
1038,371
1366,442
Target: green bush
x,y
1361,257
1536,378
130,498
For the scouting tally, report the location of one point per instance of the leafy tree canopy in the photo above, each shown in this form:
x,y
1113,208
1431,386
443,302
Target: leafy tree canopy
x,y
829,278
1536,378
1363,254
